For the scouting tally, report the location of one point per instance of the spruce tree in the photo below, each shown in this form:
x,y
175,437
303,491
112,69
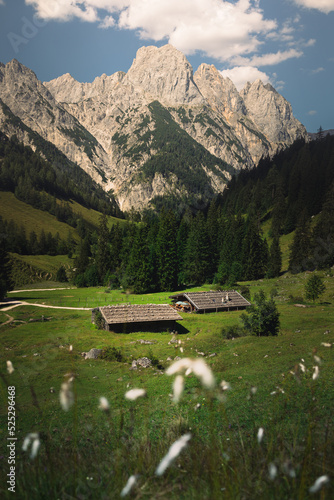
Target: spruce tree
x,y
103,250
300,247
166,251
198,254
275,259
254,252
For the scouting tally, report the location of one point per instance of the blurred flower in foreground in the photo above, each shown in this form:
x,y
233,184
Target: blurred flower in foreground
x,y
178,388
104,404
133,394
10,367
272,471
225,385
319,484
315,372
260,435
66,395
33,438
129,485
173,452
197,366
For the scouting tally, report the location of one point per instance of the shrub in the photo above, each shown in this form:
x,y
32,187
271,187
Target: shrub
x,y
113,354
262,319
99,321
234,331
61,275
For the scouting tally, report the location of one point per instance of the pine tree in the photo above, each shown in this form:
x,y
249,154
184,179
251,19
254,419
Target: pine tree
x,y
102,256
198,255
166,250
138,274
300,247
275,259
254,252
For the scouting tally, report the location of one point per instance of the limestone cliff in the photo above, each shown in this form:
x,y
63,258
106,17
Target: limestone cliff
x,y
157,130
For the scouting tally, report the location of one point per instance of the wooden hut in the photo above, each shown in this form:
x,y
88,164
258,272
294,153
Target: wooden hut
x,y
212,301
138,317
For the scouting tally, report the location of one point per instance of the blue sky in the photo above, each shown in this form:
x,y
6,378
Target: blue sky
x,y
289,43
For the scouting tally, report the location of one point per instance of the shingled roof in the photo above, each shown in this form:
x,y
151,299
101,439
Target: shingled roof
x,y
139,313
222,300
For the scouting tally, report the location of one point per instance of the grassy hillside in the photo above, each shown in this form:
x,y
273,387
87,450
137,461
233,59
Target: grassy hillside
x,y
86,453
35,220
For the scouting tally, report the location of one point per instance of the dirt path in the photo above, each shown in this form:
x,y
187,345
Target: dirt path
x,y
10,319
46,306
41,289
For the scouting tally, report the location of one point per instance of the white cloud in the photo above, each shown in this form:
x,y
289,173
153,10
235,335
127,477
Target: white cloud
x,y
325,6
221,29
312,112
107,22
268,59
318,70
2,2
240,75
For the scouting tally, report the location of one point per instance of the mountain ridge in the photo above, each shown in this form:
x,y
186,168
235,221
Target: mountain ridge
x,y
110,130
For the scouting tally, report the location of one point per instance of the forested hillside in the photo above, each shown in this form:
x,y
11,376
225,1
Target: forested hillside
x,y
25,173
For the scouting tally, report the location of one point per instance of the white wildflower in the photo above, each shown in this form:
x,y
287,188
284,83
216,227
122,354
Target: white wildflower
x,y
315,372
178,387
272,471
66,395
326,344
134,394
197,406
70,348
32,437
10,367
188,372
173,452
317,359
204,373
260,434
178,366
225,385
302,367
319,484
129,485
273,393
104,404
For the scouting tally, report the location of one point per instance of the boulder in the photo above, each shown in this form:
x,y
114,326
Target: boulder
x,y
92,354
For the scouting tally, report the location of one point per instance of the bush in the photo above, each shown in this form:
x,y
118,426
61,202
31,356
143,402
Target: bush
x,y
99,321
113,354
61,275
262,319
233,332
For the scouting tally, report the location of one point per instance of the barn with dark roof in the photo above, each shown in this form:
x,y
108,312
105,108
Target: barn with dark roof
x,y
138,317
202,302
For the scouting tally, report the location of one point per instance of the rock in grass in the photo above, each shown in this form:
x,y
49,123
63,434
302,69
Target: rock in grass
x,y
92,354
144,362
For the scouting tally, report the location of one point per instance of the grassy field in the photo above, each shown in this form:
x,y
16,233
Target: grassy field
x,y
88,453
36,220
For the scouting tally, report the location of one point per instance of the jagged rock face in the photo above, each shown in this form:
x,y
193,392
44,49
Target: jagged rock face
x,y
271,112
116,127
30,101
164,74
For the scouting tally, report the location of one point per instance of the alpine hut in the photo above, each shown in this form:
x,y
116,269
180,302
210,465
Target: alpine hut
x,y
137,317
202,302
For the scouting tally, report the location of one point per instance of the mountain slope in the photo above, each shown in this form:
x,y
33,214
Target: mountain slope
x,y
110,126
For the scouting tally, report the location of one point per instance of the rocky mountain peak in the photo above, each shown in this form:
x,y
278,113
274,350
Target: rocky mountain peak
x,y
269,110
221,92
164,74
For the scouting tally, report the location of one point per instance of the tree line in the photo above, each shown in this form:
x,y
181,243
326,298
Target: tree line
x,y
165,252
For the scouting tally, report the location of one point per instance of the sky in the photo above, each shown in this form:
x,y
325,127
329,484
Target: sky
x,y
288,43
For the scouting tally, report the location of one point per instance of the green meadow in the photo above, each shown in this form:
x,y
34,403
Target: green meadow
x,y
88,453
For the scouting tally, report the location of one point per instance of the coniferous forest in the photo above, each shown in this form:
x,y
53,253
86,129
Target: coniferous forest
x,y
220,244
